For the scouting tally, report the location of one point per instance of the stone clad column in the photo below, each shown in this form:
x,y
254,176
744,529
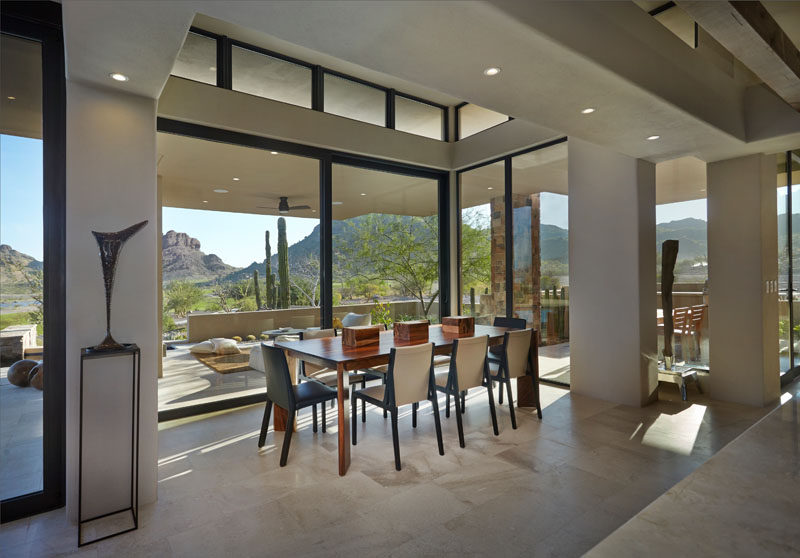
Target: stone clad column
x,y
612,264
742,280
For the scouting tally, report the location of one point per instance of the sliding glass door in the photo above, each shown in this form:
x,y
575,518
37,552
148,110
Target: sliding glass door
x,y
788,171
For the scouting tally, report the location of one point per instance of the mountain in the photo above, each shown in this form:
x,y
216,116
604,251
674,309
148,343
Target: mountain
x,y
182,259
554,243
13,266
690,234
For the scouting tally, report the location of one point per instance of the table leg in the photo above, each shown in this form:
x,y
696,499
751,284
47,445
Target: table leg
x,y
342,396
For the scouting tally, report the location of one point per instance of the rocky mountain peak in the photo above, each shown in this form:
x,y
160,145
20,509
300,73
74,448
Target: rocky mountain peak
x,y
172,239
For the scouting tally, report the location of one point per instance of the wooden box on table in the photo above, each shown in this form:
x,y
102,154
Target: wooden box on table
x,y
361,336
415,331
461,326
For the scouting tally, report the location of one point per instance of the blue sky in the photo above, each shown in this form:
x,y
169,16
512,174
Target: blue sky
x,y
21,194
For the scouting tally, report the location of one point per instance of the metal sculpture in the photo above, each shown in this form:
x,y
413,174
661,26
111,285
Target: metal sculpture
x,y
110,245
669,254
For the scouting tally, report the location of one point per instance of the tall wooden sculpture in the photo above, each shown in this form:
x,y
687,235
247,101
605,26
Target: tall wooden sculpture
x,y
110,245
669,254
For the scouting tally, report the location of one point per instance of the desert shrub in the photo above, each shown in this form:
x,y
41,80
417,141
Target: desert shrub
x,y
251,337
237,338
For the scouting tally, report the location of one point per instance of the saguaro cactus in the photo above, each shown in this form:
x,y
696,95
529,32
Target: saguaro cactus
x,y
283,265
257,289
269,277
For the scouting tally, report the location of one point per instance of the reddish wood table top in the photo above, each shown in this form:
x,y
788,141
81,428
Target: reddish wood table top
x,y
329,351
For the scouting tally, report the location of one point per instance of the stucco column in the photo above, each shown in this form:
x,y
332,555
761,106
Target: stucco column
x,y
612,264
742,280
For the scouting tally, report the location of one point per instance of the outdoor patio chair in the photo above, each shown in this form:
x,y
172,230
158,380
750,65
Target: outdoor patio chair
x,y
496,352
515,362
409,381
352,319
290,397
468,369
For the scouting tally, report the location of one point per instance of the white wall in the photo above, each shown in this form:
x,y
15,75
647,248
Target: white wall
x,y
111,184
612,263
742,259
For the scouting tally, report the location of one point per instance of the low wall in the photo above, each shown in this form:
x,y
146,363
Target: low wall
x,y
205,325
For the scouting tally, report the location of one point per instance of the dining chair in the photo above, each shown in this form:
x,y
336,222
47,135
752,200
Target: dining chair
x,y
328,376
468,369
496,351
409,380
283,393
352,319
515,362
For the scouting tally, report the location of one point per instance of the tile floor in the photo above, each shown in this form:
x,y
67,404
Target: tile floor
x,y
551,488
21,422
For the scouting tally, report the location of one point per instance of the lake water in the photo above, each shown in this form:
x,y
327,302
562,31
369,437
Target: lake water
x,y
12,305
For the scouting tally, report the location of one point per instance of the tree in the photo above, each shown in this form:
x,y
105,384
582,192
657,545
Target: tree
x,y
283,265
270,278
476,249
396,248
183,297
305,280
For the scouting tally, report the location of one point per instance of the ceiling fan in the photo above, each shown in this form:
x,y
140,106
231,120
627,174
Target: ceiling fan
x,y
284,207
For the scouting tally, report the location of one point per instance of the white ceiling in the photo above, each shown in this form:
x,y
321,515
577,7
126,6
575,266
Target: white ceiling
x,y
21,78
556,58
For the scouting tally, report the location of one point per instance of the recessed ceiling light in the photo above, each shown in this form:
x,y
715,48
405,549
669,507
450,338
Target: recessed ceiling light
x,y
490,188
336,203
363,194
274,152
236,178
220,190
588,110
116,76
12,98
205,201
493,71
653,137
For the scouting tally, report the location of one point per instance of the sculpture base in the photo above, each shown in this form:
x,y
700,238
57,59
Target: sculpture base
x,y
108,344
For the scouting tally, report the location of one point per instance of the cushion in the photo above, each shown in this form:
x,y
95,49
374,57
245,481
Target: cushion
x,y
224,346
204,348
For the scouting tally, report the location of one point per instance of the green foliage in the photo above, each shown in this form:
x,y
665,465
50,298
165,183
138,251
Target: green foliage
x,y
283,265
167,323
270,278
381,314
476,248
17,318
182,297
237,338
264,337
256,288
247,304
251,337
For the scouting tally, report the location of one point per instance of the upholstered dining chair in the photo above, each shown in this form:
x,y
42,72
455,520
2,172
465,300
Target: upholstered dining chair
x,y
496,351
515,362
468,369
409,380
281,392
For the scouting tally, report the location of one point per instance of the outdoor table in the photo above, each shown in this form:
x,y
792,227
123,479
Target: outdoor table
x,y
329,352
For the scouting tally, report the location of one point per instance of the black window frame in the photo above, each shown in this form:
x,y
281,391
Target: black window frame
x,y
326,158
41,22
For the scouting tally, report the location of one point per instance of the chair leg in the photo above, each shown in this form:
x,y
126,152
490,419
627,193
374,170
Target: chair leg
x,y
459,412
464,401
438,423
353,418
383,381
324,421
364,402
447,405
414,407
395,439
314,423
491,407
536,394
265,423
287,437
500,395
511,404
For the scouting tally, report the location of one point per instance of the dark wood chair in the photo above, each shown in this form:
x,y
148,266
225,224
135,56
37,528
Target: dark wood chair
x,y
516,361
290,397
409,380
468,369
496,352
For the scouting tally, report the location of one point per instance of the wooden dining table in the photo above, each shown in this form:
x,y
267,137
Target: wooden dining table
x,y
330,353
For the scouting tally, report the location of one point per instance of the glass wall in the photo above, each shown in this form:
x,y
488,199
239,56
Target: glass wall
x,y
21,268
418,118
267,76
472,119
197,59
355,100
236,263
483,247
789,258
385,245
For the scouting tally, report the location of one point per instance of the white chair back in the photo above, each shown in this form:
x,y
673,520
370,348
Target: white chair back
x,y
351,319
469,361
410,370
517,347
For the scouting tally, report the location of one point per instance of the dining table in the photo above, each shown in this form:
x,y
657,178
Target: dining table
x,y
329,352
